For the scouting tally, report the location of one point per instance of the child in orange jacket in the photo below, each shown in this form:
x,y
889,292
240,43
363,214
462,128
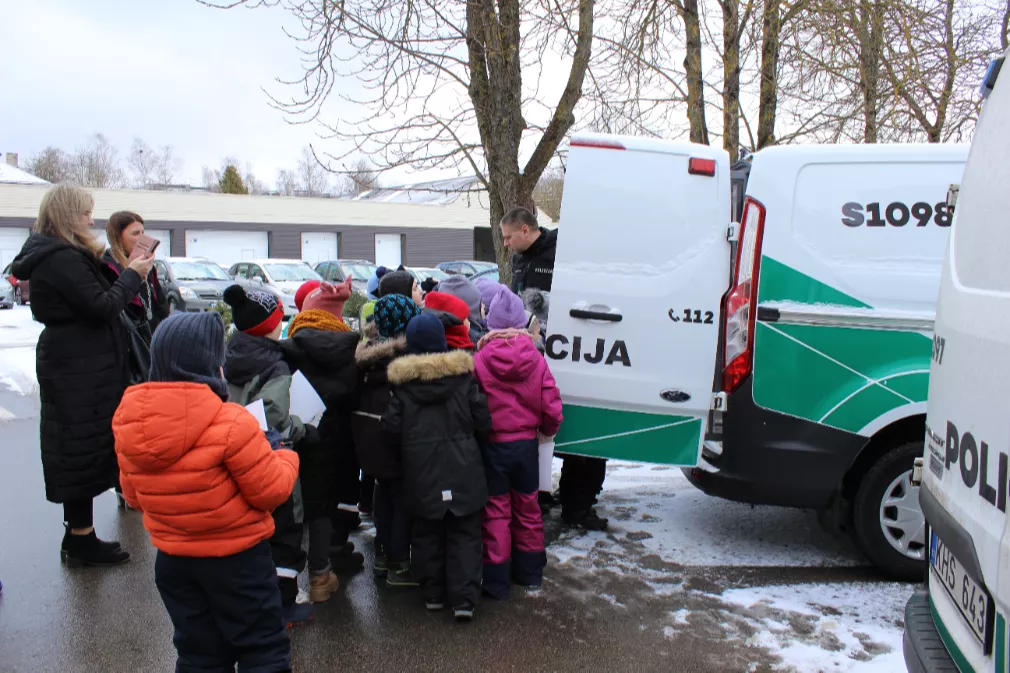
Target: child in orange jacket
x,y
206,479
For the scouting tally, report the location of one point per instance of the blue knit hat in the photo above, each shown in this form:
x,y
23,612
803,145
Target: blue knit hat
x,y
190,347
425,334
392,313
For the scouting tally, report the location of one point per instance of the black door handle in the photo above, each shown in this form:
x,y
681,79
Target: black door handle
x,y
582,314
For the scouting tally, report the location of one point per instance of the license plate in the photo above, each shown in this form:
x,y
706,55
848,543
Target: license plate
x,y
972,601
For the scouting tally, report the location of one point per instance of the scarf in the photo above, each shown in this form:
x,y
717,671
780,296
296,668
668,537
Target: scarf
x,y
458,338
316,319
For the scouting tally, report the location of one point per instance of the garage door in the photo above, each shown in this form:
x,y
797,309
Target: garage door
x,y
163,235
227,247
389,250
11,241
319,246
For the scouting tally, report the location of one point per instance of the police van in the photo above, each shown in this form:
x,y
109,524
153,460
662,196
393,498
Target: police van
x,y
767,325
961,617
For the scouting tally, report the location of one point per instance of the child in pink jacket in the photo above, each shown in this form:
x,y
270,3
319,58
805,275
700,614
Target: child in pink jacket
x,y
524,401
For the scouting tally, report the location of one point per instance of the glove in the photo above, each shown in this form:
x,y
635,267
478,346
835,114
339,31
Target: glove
x,y
275,439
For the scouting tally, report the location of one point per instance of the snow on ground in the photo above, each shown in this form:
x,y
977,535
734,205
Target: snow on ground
x,y
18,336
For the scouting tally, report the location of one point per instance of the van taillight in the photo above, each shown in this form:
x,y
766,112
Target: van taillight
x,y
697,166
741,308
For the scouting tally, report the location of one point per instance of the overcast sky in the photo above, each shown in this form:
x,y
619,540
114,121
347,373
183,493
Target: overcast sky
x,y
168,71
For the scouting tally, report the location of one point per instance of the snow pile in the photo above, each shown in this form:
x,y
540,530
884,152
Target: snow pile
x,y
17,328
19,334
826,628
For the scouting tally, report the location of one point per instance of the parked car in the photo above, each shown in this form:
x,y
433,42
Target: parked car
x,y
191,284
281,276
20,287
7,295
337,271
487,273
423,274
467,268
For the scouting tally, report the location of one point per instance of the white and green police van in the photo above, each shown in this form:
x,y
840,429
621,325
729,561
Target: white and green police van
x,y
959,621
766,325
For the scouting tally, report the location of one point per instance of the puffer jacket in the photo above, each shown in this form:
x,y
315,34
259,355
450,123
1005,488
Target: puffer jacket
x,y
200,469
521,392
377,458
436,414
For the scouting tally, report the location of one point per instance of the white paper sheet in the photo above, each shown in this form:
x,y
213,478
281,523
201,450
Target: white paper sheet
x,y
305,402
259,411
546,458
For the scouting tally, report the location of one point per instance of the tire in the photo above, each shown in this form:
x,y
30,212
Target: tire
x,y
173,305
879,529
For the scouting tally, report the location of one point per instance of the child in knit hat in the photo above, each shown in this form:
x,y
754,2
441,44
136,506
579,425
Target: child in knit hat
x,y
322,347
457,336
379,459
206,479
256,369
460,286
524,402
436,414
401,282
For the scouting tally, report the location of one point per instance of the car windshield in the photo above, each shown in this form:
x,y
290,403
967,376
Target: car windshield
x,y
198,271
425,274
483,266
492,274
361,272
291,272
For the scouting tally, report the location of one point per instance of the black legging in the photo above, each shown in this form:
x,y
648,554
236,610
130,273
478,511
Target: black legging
x,y
79,513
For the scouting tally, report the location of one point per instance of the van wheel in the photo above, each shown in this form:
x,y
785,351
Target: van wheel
x,y
888,523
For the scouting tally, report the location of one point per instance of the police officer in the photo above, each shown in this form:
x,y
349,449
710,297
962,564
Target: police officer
x,y
533,251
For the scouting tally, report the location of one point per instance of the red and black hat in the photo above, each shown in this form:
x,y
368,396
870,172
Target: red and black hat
x,y
255,313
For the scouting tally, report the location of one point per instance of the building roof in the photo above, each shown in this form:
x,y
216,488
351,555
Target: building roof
x,y
22,201
13,175
437,192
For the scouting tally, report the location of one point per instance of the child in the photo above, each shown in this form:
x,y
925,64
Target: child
x,y
322,348
205,477
378,459
460,287
255,369
457,336
401,282
523,400
435,413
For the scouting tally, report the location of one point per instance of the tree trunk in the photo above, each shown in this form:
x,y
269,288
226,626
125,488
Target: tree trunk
x,y
731,77
871,46
695,76
771,26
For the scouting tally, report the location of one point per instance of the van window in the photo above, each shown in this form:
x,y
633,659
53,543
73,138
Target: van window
x,y
981,247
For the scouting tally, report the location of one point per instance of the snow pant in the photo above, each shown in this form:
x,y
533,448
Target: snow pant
x,y
446,557
79,513
581,481
511,523
286,550
366,500
392,524
225,610
348,472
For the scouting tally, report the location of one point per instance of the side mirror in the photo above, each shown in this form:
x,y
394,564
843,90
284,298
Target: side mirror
x,y
259,279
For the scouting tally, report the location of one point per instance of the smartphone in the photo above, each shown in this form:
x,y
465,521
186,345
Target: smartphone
x,y
146,246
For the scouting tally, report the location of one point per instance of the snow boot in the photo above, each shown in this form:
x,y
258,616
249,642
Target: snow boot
x,y
88,550
297,614
464,612
586,519
322,584
400,577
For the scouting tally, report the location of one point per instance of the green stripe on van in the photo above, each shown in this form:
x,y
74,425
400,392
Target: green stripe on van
x,y
841,377
948,641
1000,644
629,435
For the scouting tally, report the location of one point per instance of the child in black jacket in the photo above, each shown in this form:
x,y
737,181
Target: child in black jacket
x,y
435,415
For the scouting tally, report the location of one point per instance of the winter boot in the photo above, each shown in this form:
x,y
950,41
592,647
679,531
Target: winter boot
x,y
88,550
399,576
381,565
586,519
322,584
434,604
111,544
347,562
297,614
547,501
464,612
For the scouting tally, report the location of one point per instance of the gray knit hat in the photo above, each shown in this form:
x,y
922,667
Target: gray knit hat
x,y
190,347
461,287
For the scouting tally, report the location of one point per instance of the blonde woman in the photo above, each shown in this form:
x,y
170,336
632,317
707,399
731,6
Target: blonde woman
x,y
80,360
150,306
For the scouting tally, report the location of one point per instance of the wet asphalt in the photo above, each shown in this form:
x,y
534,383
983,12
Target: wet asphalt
x,y
109,620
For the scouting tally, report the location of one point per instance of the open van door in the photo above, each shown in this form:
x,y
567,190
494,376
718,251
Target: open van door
x,y
642,264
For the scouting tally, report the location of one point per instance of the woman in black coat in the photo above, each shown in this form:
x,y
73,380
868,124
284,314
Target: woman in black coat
x,y
150,306
81,361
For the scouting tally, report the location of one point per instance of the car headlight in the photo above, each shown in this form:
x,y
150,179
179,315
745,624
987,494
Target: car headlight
x,y
187,293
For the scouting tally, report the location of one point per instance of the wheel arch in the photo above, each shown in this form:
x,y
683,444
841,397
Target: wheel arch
x,y
897,432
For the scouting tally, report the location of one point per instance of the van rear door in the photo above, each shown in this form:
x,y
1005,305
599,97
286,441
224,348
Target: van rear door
x,y
641,267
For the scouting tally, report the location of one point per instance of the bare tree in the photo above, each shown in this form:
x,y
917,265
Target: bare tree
x,y
547,195
97,164
167,166
50,164
143,162
734,23
359,179
287,183
212,179
312,177
253,185
416,59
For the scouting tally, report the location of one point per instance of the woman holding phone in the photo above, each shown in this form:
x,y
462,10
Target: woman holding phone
x,y
125,232
81,362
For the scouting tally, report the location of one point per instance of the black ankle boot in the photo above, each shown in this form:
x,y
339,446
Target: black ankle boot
x,y
111,544
88,550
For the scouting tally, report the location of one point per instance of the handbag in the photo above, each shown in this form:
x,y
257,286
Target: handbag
x,y
138,360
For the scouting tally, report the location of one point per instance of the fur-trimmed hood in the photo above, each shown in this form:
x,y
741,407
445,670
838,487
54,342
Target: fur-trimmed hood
x,y
374,352
430,367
